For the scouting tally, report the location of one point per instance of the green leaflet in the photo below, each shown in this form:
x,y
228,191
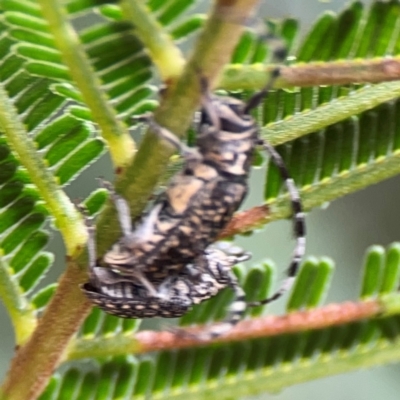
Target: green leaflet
x,y
266,364
348,155
22,215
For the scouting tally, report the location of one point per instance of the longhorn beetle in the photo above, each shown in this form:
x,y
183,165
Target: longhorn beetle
x,y
170,246
124,297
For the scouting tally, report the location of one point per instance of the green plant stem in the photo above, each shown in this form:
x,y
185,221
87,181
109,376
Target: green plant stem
x,y
119,141
38,358
327,114
275,379
340,185
166,56
255,76
326,190
67,218
21,313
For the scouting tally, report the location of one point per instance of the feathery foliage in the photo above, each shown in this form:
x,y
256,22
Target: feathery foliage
x,y
72,76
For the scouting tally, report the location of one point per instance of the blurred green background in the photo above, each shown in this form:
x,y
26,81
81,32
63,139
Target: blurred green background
x,y
342,231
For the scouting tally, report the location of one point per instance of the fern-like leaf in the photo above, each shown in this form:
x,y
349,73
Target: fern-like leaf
x,y
274,362
59,113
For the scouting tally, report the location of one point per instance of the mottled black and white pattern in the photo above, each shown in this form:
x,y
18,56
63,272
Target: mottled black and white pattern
x,y
172,297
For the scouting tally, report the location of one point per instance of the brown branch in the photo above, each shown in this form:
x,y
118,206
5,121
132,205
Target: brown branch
x,y
254,77
245,221
342,72
38,358
149,341
324,317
